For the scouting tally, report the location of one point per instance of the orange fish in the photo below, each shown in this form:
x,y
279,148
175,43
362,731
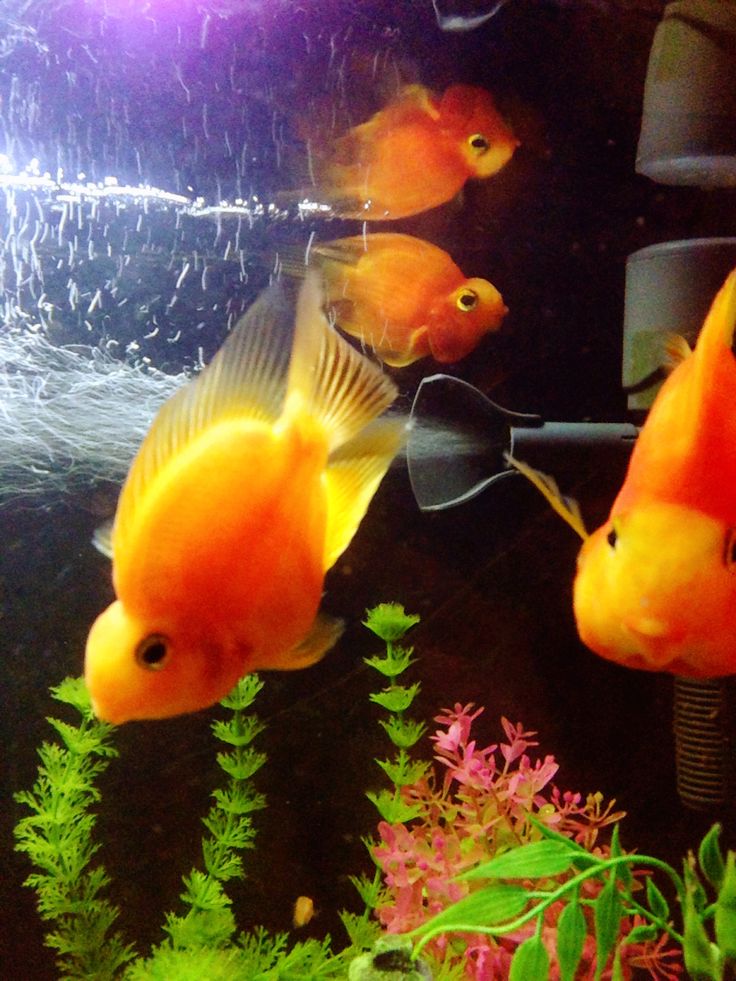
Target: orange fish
x,y
406,298
656,584
414,154
251,482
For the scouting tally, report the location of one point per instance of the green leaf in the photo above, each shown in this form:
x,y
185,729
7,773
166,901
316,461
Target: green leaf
x,y
643,932
572,930
710,857
394,664
73,691
393,809
403,733
243,694
617,974
486,907
725,917
237,800
403,771
702,958
607,915
389,621
530,962
368,889
622,871
534,860
241,763
397,698
657,903
697,896
362,933
552,835
239,730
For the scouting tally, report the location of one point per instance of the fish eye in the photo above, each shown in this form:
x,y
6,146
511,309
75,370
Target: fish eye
x,y
153,652
466,300
479,143
612,537
729,550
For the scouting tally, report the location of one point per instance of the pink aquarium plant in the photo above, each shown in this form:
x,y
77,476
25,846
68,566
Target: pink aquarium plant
x,y
484,801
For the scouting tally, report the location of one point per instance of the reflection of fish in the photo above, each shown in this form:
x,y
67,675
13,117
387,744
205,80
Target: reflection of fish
x,y
465,20
406,298
414,154
656,584
251,482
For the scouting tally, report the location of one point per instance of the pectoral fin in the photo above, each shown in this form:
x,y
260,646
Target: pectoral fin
x,y
567,508
325,633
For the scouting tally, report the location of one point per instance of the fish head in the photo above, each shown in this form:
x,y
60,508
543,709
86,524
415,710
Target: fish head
x,y
656,590
468,116
139,670
457,321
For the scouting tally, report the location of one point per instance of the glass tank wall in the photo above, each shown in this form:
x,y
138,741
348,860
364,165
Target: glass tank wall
x,y
160,163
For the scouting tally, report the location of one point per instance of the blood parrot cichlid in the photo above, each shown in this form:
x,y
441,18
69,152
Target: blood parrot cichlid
x,y
406,298
415,153
251,482
656,584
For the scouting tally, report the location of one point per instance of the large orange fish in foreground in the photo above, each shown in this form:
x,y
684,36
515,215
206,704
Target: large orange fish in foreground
x,y
406,298
251,482
414,154
656,584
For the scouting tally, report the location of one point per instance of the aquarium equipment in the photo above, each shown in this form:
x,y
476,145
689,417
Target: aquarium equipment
x,y
450,418
688,127
669,287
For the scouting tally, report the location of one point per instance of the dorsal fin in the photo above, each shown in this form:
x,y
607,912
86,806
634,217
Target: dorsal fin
x,y
247,377
676,350
338,385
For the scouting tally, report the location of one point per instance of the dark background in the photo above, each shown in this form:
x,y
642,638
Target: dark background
x,y
209,100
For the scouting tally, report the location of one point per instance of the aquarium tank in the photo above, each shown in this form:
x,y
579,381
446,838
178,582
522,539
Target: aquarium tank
x,y
302,304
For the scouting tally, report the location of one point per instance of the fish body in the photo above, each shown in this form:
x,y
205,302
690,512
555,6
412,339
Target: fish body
x,y
406,298
414,154
249,485
656,584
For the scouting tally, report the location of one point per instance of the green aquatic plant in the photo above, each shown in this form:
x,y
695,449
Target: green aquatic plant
x,y
483,869
57,837
390,622
201,941
623,918
209,922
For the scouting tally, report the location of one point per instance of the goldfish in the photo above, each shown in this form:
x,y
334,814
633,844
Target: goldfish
x,y
655,585
414,154
250,483
406,298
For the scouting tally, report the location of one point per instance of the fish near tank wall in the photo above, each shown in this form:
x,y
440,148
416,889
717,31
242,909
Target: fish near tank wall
x,y
110,293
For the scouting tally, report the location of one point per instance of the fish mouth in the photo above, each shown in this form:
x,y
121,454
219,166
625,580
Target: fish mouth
x,y
653,642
